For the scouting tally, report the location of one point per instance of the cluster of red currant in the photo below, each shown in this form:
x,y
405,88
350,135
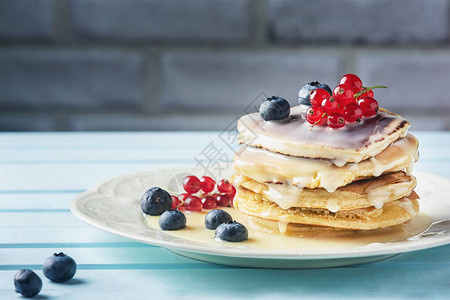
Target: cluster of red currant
x,y
199,194
350,102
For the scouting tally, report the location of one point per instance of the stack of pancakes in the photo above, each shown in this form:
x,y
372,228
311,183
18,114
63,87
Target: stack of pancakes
x,y
296,180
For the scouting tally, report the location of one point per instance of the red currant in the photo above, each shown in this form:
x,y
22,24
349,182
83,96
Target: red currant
x,y
223,200
352,112
209,202
368,93
335,120
330,105
207,184
343,94
183,197
191,184
369,106
315,116
317,96
193,203
232,193
351,80
175,202
224,186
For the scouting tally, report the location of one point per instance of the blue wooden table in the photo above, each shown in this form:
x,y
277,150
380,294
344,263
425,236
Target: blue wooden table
x,y
41,172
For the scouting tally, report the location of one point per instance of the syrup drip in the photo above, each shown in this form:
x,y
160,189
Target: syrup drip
x,y
196,231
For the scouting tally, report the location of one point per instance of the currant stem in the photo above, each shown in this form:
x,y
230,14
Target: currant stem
x,y
317,122
369,88
179,205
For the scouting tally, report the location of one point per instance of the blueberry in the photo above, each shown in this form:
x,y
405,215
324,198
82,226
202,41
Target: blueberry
x,y
27,283
274,108
172,220
303,94
59,267
216,217
155,201
232,232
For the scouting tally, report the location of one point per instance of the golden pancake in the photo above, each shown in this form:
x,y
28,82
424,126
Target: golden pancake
x,y
294,136
292,229
265,166
359,194
392,213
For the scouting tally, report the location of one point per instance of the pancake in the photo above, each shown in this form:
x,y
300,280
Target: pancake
x,y
292,229
359,194
294,136
392,213
266,166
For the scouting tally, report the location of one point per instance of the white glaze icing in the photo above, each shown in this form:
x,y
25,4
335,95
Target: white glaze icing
x,y
293,136
287,196
196,231
265,166
333,206
407,206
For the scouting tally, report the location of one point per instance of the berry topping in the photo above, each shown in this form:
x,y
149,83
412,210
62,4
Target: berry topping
x,y
209,202
155,201
368,93
27,283
231,232
318,95
315,116
305,91
223,200
216,217
224,186
343,94
351,80
207,184
330,106
172,220
59,267
352,112
191,184
369,106
335,120
193,203
349,102
175,201
274,108
232,193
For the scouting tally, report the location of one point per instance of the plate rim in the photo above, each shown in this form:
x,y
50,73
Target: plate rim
x,y
338,253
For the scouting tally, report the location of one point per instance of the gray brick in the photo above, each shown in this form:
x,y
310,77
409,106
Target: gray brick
x,y
418,81
26,122
381,21
182,122
231,81
96,80
176,20
23,19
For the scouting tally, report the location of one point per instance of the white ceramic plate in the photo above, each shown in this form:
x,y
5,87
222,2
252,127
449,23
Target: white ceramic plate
x,y
114,207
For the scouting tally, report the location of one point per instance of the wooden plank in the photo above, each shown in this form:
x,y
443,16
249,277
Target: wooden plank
x,y
35,201
68,177
115,140
39,219
60,235
395,282
92,257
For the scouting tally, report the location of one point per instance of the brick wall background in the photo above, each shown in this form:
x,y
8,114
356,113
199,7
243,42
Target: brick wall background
x,y
196,65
